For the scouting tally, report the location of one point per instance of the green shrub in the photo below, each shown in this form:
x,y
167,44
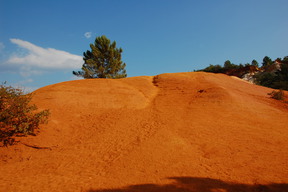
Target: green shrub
x,y
278,95
17,115
214,69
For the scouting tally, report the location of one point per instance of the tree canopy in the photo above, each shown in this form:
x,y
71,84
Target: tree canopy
x,y
267,61
103,61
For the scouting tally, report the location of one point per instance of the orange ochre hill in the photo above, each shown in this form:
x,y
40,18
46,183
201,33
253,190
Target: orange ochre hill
x,y
180,132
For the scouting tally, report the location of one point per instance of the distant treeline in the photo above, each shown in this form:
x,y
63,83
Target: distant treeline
x,y
273,74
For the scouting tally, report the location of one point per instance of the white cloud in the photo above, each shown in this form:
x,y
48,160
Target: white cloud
x,y
88,35
38,58
26,71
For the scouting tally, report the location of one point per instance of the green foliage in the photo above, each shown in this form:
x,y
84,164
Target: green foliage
x,y
267,61
254,63
103,61
276,80
265,79
213,69
278,95
273,74
17,116
285,60
229,66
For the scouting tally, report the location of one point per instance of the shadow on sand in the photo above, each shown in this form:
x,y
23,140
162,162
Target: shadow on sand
x,y
196,184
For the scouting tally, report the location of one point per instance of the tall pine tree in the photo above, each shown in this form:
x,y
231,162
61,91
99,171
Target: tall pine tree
x,y
103,61
267,61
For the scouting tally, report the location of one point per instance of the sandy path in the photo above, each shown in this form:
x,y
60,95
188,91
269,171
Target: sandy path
x,y
172,132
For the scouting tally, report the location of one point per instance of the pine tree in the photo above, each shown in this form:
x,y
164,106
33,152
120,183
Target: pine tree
x,y
267,61
254,63
103,61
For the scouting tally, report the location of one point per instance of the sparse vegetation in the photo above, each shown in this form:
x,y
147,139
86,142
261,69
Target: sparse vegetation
x,y
278,95
273,74
17,115
155,80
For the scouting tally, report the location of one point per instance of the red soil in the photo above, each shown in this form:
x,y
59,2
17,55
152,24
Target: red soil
x,y
172,132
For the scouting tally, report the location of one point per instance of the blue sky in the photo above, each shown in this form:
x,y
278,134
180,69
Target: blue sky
x,y
42,42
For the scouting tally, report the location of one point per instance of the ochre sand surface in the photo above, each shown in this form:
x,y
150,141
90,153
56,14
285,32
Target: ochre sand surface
x,y
181,132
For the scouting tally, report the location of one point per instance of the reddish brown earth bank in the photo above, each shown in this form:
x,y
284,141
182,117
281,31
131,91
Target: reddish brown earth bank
x,y
183,132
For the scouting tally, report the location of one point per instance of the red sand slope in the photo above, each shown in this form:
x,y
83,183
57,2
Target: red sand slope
x,y
172,132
